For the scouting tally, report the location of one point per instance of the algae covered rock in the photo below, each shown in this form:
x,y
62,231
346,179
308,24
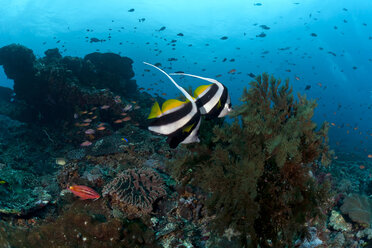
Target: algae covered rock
x,y
337,222
358,208
21,193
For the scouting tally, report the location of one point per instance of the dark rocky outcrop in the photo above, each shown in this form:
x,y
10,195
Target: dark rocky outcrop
x,y
55,87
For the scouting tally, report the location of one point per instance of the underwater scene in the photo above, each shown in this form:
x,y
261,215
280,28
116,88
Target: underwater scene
x,y
188,123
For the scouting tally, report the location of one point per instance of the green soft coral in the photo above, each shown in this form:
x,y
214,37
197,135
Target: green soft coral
x,y
257,168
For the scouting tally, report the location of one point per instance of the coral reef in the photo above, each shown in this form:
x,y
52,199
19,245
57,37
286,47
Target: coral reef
x,y
258,169
135,190
258,182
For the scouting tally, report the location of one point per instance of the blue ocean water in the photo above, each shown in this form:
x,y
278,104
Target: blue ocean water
x,y
323,47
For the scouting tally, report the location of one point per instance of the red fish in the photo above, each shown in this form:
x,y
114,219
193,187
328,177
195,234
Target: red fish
x,y
84,192
86,143
128,118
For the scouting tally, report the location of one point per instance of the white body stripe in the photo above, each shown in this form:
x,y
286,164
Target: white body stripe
x,y
226,108
214,100
174,126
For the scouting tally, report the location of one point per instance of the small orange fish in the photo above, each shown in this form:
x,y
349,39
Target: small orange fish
x,y
94,108
232,71
86,143
94,117
320,84
333,124
101,128
164,94
90,113
141,88
118,121
361,167
128,118
369,156
297,78
123,114
150,88
137,107
84,192
87,120
83,112
219,75
84,124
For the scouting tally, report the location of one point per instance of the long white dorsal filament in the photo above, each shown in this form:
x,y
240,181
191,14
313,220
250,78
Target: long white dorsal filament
x,y
179,87
211,80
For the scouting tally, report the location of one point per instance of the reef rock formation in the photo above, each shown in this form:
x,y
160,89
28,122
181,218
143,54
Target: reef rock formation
x,y
54,87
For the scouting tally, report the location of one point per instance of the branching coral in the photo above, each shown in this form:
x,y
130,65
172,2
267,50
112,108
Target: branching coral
x,y
257,168
135,190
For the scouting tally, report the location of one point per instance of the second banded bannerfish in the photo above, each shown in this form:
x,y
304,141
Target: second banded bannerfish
x,y
179,121
213,100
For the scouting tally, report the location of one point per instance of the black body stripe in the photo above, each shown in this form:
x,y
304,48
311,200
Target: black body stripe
x,y
215,111
174,116
200,102
175,138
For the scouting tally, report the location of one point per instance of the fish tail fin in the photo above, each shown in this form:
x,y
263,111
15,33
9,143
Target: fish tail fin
x,y
187,95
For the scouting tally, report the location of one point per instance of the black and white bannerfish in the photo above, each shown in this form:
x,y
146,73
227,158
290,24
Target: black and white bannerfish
x,y
213,100
179,121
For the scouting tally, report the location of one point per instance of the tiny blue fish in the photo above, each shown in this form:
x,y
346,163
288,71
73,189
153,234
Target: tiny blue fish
x,y
124,139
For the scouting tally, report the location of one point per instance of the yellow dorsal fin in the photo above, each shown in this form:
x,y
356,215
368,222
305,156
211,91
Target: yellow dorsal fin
x,y
188,128
155,111
219,104
200,90
170,104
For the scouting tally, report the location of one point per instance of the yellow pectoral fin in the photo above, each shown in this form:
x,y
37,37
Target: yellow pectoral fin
x,y
188,128
219,104
170,104
155,111
200,90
